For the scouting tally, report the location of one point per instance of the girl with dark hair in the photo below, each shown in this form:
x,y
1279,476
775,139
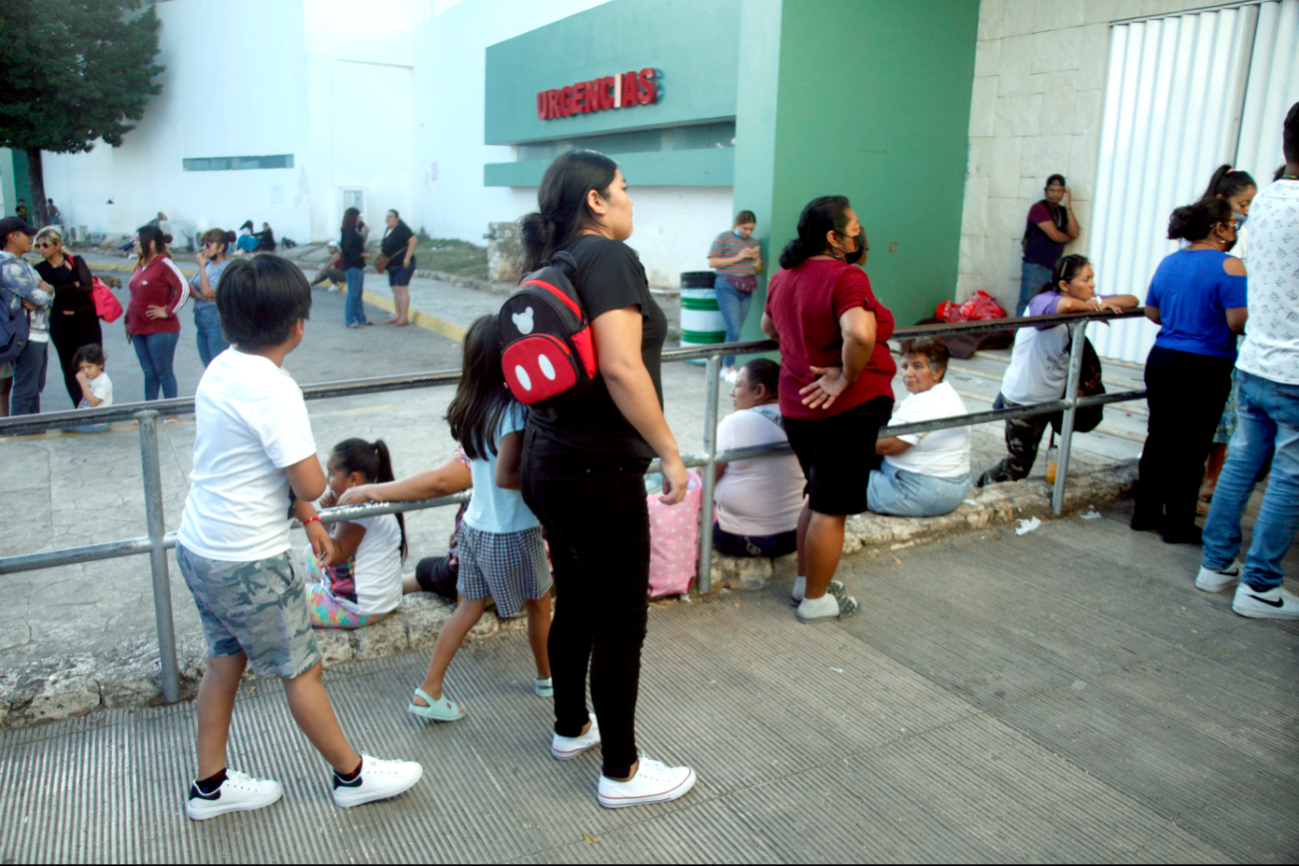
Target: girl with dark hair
x,y
360,581
1236,188
583,469
1039,364
758,501
73,320
158,291
214,244
737,258
836,387
500,548
352,247
1198,298
398,245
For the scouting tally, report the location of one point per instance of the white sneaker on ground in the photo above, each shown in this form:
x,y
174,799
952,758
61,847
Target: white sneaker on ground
x,y
567,748
378,780
238,793
1278,603
1209,580
653,783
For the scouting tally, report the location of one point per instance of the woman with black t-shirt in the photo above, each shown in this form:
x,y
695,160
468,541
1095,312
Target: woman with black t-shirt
x,y
399,244
73,320
351,245
583,470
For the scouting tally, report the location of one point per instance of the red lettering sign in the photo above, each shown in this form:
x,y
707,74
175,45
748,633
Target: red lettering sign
x,y
600,94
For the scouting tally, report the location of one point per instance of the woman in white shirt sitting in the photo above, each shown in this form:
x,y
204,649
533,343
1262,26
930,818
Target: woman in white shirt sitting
x,y
759,500
922,474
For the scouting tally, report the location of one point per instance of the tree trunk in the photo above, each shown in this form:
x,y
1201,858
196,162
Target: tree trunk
x,y
36,178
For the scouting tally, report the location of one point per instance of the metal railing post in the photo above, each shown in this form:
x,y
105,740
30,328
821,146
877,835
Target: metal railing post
x,y
711,401
151,464
1077,338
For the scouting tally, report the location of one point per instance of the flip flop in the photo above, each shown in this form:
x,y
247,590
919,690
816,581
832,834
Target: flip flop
x,y
544,688
848,607
440,710
836,588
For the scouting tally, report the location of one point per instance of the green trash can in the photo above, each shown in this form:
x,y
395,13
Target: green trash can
x,y
701,319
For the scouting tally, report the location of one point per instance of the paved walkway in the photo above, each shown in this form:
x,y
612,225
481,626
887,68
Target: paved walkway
x,y
1062,696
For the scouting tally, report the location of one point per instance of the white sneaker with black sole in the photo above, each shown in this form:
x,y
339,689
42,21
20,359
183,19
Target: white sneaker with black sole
x,y
1209,580
653,783
1278,603
568,748
378,780
238,793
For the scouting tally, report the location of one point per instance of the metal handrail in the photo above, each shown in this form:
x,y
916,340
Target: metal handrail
x,y
159,541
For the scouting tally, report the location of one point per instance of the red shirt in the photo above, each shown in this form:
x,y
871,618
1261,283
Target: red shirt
x,y
159,284
805,304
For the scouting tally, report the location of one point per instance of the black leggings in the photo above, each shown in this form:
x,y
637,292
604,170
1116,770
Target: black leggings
x,y
1185,393
70,333
596,517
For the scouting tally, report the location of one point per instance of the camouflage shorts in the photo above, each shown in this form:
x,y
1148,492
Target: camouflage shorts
x,y
258,608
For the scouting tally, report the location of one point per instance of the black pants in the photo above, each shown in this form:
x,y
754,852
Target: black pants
x,y
596,517
70,333
1023,438
1186,393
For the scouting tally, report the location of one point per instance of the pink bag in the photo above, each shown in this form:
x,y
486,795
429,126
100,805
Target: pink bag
x,y
674,541
107,307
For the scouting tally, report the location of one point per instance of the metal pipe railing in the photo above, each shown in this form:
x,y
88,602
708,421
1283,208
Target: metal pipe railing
x,y
158,541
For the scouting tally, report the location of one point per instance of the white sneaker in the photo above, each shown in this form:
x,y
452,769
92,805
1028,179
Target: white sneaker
x,y
238,793
378,780
730,377
567,748
1278,603
653,783
1216,581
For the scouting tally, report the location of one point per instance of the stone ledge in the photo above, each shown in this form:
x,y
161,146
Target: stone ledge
x,y
50,689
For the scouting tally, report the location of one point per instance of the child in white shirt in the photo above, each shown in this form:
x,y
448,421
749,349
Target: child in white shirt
x,y
96,387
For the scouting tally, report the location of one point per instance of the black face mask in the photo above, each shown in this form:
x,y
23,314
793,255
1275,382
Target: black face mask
x,y
858,254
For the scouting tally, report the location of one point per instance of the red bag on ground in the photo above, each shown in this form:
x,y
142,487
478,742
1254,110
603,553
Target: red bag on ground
x,y
107,307
982,307
674,541
948,311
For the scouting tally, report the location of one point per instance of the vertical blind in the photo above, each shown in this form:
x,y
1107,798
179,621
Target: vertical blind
x,y
1273,88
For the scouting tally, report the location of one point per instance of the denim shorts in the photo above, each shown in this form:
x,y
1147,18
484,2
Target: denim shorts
x,y
400,276
256,608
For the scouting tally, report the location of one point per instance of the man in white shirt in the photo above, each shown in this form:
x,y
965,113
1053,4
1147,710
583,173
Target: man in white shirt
x,y
922,474
1267,374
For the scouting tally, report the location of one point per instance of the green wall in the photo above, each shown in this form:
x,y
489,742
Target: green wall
x,y
868,99
692,42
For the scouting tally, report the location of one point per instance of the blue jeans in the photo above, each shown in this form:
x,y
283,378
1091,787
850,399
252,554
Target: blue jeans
x,y
156,353
1267,429
734,305
1031,279
29,379
211,342
909,494
354,309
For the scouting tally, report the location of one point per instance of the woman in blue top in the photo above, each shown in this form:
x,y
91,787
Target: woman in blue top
x,y
1198,298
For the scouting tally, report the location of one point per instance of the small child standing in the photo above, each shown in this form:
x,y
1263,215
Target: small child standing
x,y
501,550
96,387
360,583
253,454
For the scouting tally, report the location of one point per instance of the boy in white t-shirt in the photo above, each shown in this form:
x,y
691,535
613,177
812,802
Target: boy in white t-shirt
x,y
254,455
922,474
96,387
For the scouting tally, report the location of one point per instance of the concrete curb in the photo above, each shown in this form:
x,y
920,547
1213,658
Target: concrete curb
x,y
50,689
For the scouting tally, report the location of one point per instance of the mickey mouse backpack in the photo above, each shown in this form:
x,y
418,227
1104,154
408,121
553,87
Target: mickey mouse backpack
x,y
548,350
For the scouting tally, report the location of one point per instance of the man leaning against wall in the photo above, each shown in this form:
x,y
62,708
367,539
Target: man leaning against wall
x,y
1051,224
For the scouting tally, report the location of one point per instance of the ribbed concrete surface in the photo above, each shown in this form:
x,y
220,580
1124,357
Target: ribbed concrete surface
x,y
983,708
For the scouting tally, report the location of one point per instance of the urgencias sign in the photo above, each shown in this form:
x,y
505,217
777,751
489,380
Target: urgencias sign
x,y
601,94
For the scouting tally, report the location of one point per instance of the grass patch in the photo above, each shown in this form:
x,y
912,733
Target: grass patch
x,y
449,256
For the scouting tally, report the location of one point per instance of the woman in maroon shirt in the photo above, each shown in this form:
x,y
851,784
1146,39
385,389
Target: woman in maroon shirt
x,y
836,387
158,291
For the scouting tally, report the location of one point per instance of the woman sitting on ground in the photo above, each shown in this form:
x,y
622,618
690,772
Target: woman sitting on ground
x,y
1039,363
923,474
758,500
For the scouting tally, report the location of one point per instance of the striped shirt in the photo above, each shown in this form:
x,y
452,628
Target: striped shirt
x,y
729,244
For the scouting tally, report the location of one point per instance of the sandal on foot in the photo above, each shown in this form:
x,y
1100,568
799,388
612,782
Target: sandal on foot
x,y
440,710
544,688
836,588
848,607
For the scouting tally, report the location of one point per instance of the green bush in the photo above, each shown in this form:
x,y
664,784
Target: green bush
x,y
451,256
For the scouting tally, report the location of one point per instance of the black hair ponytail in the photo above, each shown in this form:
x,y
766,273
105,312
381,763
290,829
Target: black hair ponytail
x,y
1064,271
820,216
1193,222
1227,182
372,462
481,399
562,208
